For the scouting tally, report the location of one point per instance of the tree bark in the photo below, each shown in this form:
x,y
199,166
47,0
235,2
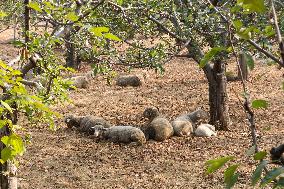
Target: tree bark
x,y
217,88
72,60
4,181
27,21
12,178
8,171
8,176
218,97
243,69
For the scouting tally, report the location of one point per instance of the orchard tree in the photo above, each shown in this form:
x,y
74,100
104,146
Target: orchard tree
x,y
26,98
29,89
209,31
251,26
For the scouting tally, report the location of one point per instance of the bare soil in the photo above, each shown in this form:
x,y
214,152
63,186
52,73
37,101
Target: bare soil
x,y
68,159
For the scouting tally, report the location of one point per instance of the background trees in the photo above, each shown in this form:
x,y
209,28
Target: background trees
x,y
208,32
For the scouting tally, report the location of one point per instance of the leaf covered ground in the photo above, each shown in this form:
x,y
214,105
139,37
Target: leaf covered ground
x,y
68,159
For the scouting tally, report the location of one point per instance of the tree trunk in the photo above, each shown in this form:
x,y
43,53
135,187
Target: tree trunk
x,y
72,59
12,178
8,171
243,69
4,182
218,97
70,53
8,176
217,88
27,21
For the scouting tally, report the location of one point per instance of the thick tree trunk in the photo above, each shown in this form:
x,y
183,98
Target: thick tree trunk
x,y
70,53
72,59
217,88
218,97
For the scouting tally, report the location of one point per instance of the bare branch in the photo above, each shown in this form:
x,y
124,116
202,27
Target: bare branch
x,y
279,37
268,54
172,34
37,85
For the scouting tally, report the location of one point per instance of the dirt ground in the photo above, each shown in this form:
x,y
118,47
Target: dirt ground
x,y
68,159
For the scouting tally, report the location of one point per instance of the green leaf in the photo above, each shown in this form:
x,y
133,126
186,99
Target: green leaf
x,y
111,37
252,5
249,60
17,43
257,173
35,6
271,175
5,123
259,104
159,68
269,31
6,154
7,106
255,5
5,139
3,65
237,24
49,5
72,16
245,33
260,155
17,143
16,72
251,151
230,176
119,2
280,183
210,54
3,14
236,9
98,31
215,164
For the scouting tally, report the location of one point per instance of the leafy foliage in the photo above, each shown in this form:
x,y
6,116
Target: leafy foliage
x,y
16,98
260,155
97,30
271,175
209,55
257,173
259,104
230,178
215,164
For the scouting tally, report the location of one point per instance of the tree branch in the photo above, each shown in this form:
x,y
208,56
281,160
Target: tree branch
x,y
37,85
172,34
279,37
268,54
